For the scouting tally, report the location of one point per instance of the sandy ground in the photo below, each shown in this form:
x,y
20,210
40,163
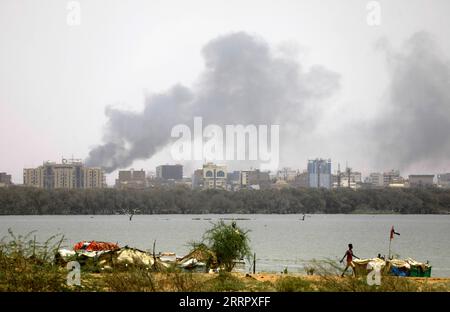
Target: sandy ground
x,y
253,282
272,277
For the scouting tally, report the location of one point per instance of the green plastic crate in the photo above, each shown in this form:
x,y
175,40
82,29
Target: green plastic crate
x,y
417,272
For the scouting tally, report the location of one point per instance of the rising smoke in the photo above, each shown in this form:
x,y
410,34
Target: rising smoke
x,y
243,83
412,130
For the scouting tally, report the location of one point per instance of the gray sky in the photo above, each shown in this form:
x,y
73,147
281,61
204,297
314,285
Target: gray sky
x,y
56,80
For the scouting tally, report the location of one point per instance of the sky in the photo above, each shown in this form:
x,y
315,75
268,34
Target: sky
x,y
386,104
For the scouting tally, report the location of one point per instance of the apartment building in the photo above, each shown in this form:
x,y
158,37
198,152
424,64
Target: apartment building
x,y
69,174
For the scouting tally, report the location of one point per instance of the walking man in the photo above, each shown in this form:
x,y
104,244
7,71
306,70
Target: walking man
x,y
349,254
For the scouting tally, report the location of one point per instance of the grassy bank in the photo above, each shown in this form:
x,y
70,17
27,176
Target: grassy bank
x,y
26,265
22,273
137,280
275,282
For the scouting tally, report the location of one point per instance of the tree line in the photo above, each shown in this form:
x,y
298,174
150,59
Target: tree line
x,y
181,200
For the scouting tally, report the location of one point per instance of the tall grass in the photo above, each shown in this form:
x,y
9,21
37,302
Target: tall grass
x,y
145,280
293,284
173,280
27,265
225,281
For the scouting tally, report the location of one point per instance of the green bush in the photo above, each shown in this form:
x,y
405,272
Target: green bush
x,y
229,243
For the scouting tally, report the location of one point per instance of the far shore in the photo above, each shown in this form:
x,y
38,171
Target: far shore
x,y
239,214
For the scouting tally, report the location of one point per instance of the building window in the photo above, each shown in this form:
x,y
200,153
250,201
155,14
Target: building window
x,y
209,174
221,174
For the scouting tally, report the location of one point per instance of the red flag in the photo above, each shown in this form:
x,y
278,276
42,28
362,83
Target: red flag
x,y
393,232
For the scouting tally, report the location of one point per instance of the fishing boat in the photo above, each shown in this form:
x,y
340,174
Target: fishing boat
x,y
395,267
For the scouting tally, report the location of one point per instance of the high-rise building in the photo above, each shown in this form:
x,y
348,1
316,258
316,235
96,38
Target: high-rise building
x,y
169,172
257,178
392,177
214,176
131,179
93,178
443,180
197,179
69,174
33,177
375,179
319,173
5,179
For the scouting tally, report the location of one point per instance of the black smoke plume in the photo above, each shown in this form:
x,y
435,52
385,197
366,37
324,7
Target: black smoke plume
x,y
412,129
243,82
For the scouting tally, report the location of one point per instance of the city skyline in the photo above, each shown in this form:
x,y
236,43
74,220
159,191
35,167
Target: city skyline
x,y
72,92
175,171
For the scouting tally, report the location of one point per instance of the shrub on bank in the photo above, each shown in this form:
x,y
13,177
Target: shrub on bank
x,y
228,242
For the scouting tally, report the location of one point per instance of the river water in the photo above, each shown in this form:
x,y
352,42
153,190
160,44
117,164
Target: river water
x,y
280,241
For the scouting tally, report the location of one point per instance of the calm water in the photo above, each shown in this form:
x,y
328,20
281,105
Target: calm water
x,y
279,240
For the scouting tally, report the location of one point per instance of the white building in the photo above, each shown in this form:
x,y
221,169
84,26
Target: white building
x,y
287,174
443,180
421,180
214,176
376,179
350,179
69,174
392,177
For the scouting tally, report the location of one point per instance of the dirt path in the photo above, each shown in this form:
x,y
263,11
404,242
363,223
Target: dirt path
x,y
272,277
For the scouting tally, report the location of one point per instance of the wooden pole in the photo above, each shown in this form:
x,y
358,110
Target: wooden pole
x,y
254,263
154,255
34,245
389,255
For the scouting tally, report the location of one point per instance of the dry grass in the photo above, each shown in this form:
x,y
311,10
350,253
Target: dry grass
x,y
26,265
